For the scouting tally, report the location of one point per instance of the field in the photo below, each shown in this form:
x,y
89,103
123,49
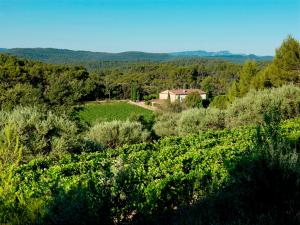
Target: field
x,y
109,111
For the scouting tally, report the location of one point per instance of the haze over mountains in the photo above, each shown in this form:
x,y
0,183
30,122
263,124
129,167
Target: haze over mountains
x,y
52,55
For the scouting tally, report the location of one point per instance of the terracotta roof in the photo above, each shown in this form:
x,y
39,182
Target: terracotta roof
x,y
186,91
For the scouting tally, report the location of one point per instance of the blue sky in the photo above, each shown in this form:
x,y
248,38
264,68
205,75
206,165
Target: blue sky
x,y
241,26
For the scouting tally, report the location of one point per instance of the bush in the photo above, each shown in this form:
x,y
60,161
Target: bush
x,y
193,100
220,102
20,94
166,124
195,120
251,108
170,107
41,133
191,121
117,133
150,97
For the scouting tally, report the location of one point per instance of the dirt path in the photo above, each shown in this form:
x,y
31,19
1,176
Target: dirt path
x,y
142,104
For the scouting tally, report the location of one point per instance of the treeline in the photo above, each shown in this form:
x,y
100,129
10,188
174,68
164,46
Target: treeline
x,y
55,87
284,69
222,80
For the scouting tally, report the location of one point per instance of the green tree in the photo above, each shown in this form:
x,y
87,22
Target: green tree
x,y
220,102
193,100
285,67
133,92
249,70
233,92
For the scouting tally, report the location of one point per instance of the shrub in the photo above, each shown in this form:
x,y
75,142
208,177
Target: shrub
x,y
20,94
166,124
150,97
195,120
41,133
193,100
10,159
220,102
170,107
191,121
251,108
117,133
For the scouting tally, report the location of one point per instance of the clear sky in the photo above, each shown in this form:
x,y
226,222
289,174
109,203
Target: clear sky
x,y
241,26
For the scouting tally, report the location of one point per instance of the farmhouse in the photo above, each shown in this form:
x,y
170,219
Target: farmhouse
x,y
179,94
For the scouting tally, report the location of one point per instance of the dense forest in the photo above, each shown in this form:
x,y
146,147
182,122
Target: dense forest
x,y
233,159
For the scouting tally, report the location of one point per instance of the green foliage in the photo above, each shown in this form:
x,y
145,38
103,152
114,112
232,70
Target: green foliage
x,y
284,68
21,94
10,155
166,124
10,159
69,191
170,107
117,133
41,133
133,92
93,112
220,102
214,86
188,122
251,108
150,97
249,70
29,83
140,182
193,100
264,185
233,92
243,111
195,120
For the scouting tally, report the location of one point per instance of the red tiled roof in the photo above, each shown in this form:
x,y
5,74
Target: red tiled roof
x,y
186,91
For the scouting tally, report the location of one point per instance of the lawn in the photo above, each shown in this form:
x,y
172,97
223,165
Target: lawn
x,y
92,112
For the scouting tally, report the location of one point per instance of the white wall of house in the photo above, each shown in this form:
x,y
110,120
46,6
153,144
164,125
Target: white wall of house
x,y
181,97
172,97
163,96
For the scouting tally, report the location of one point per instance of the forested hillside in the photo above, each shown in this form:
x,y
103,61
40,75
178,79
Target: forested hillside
x,y
65,56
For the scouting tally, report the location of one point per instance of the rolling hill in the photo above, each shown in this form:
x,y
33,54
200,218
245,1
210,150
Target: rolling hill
x,y
65,56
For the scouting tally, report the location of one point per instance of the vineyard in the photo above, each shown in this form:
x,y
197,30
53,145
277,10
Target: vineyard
x,y
136,183
109,111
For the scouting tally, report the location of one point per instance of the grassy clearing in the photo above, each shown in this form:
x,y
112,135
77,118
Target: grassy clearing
x,y
93,112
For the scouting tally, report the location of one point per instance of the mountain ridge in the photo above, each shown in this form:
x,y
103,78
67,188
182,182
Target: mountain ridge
x,y
54,55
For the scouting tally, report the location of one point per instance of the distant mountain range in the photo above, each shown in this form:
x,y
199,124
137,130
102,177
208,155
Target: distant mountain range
x,y
52,55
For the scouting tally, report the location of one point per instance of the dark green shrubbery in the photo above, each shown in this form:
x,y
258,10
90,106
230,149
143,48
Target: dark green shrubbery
x,y
251,108
193,100
41,133
28,83
117,133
